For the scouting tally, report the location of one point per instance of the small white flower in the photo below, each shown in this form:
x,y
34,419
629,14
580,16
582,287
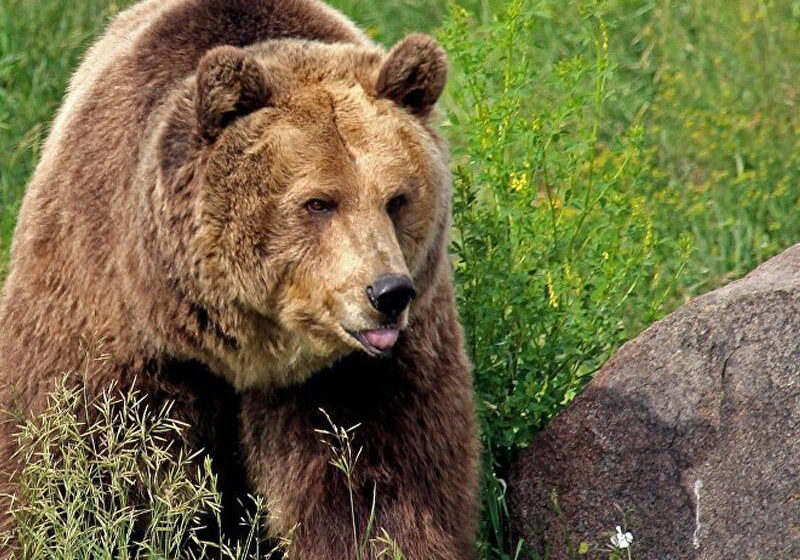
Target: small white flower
x,y
621,540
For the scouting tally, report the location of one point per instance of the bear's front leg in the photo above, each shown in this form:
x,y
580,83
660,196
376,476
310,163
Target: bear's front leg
x,y
414,454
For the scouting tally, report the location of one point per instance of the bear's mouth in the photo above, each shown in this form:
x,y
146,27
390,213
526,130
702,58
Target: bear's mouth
x,y
377,342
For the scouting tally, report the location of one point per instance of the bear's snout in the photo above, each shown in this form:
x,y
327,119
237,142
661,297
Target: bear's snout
x,y
391,293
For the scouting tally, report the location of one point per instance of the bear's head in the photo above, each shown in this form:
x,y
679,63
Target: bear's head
x,y
323,200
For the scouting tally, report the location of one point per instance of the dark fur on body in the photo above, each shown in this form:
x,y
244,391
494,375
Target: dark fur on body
x,y
101,250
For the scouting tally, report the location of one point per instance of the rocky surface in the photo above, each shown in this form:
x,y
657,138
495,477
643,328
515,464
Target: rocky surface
x,y
689,436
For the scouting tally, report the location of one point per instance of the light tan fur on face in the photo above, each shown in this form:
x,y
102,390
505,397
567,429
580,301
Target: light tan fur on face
x,y
302,277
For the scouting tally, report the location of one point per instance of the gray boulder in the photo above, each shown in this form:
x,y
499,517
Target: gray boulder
x,y
689,437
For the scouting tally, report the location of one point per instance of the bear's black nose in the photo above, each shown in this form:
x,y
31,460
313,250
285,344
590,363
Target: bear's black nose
x,y
391,293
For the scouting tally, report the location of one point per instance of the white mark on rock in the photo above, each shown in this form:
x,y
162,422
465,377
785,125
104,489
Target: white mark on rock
x,y
698,485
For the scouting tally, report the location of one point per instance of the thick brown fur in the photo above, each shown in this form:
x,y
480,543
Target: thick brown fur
x,y
168,218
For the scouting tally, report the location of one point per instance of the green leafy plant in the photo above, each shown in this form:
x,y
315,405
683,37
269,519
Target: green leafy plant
x,y
554,241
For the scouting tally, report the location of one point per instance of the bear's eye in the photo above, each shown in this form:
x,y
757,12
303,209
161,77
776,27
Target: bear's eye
x,y
320,206
396,204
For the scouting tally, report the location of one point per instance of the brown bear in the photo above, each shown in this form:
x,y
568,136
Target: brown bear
x,y
248,202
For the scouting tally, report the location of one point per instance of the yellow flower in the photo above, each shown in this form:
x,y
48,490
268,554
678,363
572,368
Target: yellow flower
x,y
551,291
648,238
604,31
518,182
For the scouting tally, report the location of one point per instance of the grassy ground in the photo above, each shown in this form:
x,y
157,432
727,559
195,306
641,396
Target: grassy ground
x,y
611,159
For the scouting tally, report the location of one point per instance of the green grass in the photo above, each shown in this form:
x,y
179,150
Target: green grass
x,y
611,160
119,486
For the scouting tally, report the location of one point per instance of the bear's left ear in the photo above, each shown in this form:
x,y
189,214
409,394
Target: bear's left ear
x,y
414,74
231,83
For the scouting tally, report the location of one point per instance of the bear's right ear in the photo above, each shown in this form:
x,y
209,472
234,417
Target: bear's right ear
x,y
231,83
414,74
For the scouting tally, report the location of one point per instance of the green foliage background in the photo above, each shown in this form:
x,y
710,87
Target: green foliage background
x,y
611,159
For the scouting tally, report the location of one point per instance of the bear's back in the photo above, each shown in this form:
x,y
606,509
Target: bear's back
x,y
138,30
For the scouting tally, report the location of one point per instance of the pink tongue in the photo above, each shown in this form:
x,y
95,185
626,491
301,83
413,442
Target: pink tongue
x,y
382,339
